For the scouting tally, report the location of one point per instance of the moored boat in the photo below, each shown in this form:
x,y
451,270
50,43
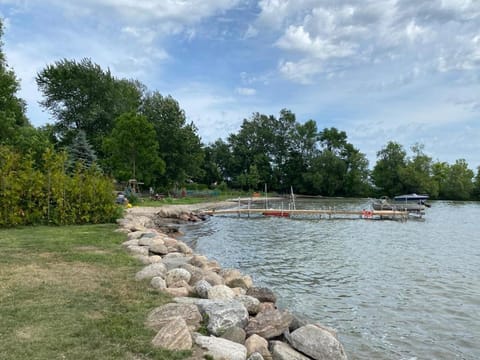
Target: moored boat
x,y
413,203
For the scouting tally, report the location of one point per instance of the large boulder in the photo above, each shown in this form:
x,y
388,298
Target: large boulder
x,y
220,292
152,270
176,275
150,240
213,278
202,287
223,314
138,250
235,334
283,351
318,343
174,335
158,283
252,304
257,344
219,348
174,262
262,294
158,317
196,272
269,324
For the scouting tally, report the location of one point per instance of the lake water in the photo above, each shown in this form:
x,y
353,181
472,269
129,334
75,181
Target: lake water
x,y
392,290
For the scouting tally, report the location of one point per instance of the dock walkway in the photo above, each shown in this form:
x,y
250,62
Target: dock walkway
x,y
321,213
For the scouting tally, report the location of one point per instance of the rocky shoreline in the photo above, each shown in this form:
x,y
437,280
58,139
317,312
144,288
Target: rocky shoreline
x,y
217,313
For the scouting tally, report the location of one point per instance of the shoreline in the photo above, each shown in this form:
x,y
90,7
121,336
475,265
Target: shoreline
x,y
223,301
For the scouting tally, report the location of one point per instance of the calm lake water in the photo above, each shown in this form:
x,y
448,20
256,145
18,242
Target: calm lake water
x,y
392,290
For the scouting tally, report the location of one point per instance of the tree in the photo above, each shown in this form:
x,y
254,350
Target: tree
x,y
12,108
386,172
81,151
417,174
132,150
458,185
83,96
179,144
476,185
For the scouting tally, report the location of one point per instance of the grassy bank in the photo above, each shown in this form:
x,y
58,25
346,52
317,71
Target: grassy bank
x,y
69,293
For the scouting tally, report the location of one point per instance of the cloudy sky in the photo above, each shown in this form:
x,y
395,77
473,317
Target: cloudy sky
x,y
381,70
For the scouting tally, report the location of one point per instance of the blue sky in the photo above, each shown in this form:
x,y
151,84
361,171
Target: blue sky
x,y
381,70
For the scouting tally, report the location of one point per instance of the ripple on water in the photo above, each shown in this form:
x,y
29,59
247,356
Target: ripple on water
x,y
392,290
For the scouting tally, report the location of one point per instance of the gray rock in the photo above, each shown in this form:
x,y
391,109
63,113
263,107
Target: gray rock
x,y
220,348
223,314
220,292
130,242
197,273
174,335
257,344
158,283
158,317
235,334
135,235
256,356
230,274
152,270
146,260
199,261
158,248
138,250
213,278
184,248
245,282
176,275
174,262
252,304
262,294
149,235
178,291
202,287
318,343
269,324
283,351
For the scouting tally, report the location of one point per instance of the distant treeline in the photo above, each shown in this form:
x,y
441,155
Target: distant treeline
x,y
128,132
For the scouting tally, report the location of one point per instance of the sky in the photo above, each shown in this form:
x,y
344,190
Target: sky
x,y
381,70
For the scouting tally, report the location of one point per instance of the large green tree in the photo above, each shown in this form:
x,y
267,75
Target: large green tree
x,y
132,150
12,108
386,174
179,144
458,184
80,95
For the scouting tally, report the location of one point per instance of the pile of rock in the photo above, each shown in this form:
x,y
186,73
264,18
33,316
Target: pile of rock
x,y
219,310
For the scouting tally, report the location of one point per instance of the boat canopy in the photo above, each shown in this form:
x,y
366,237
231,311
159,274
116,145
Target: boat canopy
x,y
411,197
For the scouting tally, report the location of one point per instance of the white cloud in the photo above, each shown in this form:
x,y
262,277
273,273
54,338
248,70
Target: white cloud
x,y
245,91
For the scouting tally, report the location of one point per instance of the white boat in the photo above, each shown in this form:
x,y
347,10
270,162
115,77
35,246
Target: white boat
x,y
413,203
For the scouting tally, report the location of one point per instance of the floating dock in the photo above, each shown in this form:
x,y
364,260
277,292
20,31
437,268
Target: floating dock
x,y
321,214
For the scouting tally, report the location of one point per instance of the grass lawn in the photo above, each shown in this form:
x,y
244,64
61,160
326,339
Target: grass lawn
x,y
69,293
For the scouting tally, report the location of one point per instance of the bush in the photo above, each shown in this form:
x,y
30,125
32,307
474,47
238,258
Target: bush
x,y
46,193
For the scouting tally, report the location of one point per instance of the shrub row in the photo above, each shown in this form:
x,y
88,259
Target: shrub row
x,y
47,193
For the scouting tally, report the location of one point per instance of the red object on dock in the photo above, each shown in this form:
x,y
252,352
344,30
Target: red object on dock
x,y
278,213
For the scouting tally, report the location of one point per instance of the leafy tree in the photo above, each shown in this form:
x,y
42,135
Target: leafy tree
x,y
83,96
387,171
133,150
12,108
179,143
417,174
217,165
476,185
458,184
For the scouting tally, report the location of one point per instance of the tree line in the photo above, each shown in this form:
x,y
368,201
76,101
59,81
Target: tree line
x,y
128,132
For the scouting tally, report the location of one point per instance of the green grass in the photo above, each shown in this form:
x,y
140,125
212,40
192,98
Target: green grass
x,y
69,293
186,200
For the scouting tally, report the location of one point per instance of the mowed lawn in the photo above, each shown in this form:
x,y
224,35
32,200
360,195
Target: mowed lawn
x,y
69,293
